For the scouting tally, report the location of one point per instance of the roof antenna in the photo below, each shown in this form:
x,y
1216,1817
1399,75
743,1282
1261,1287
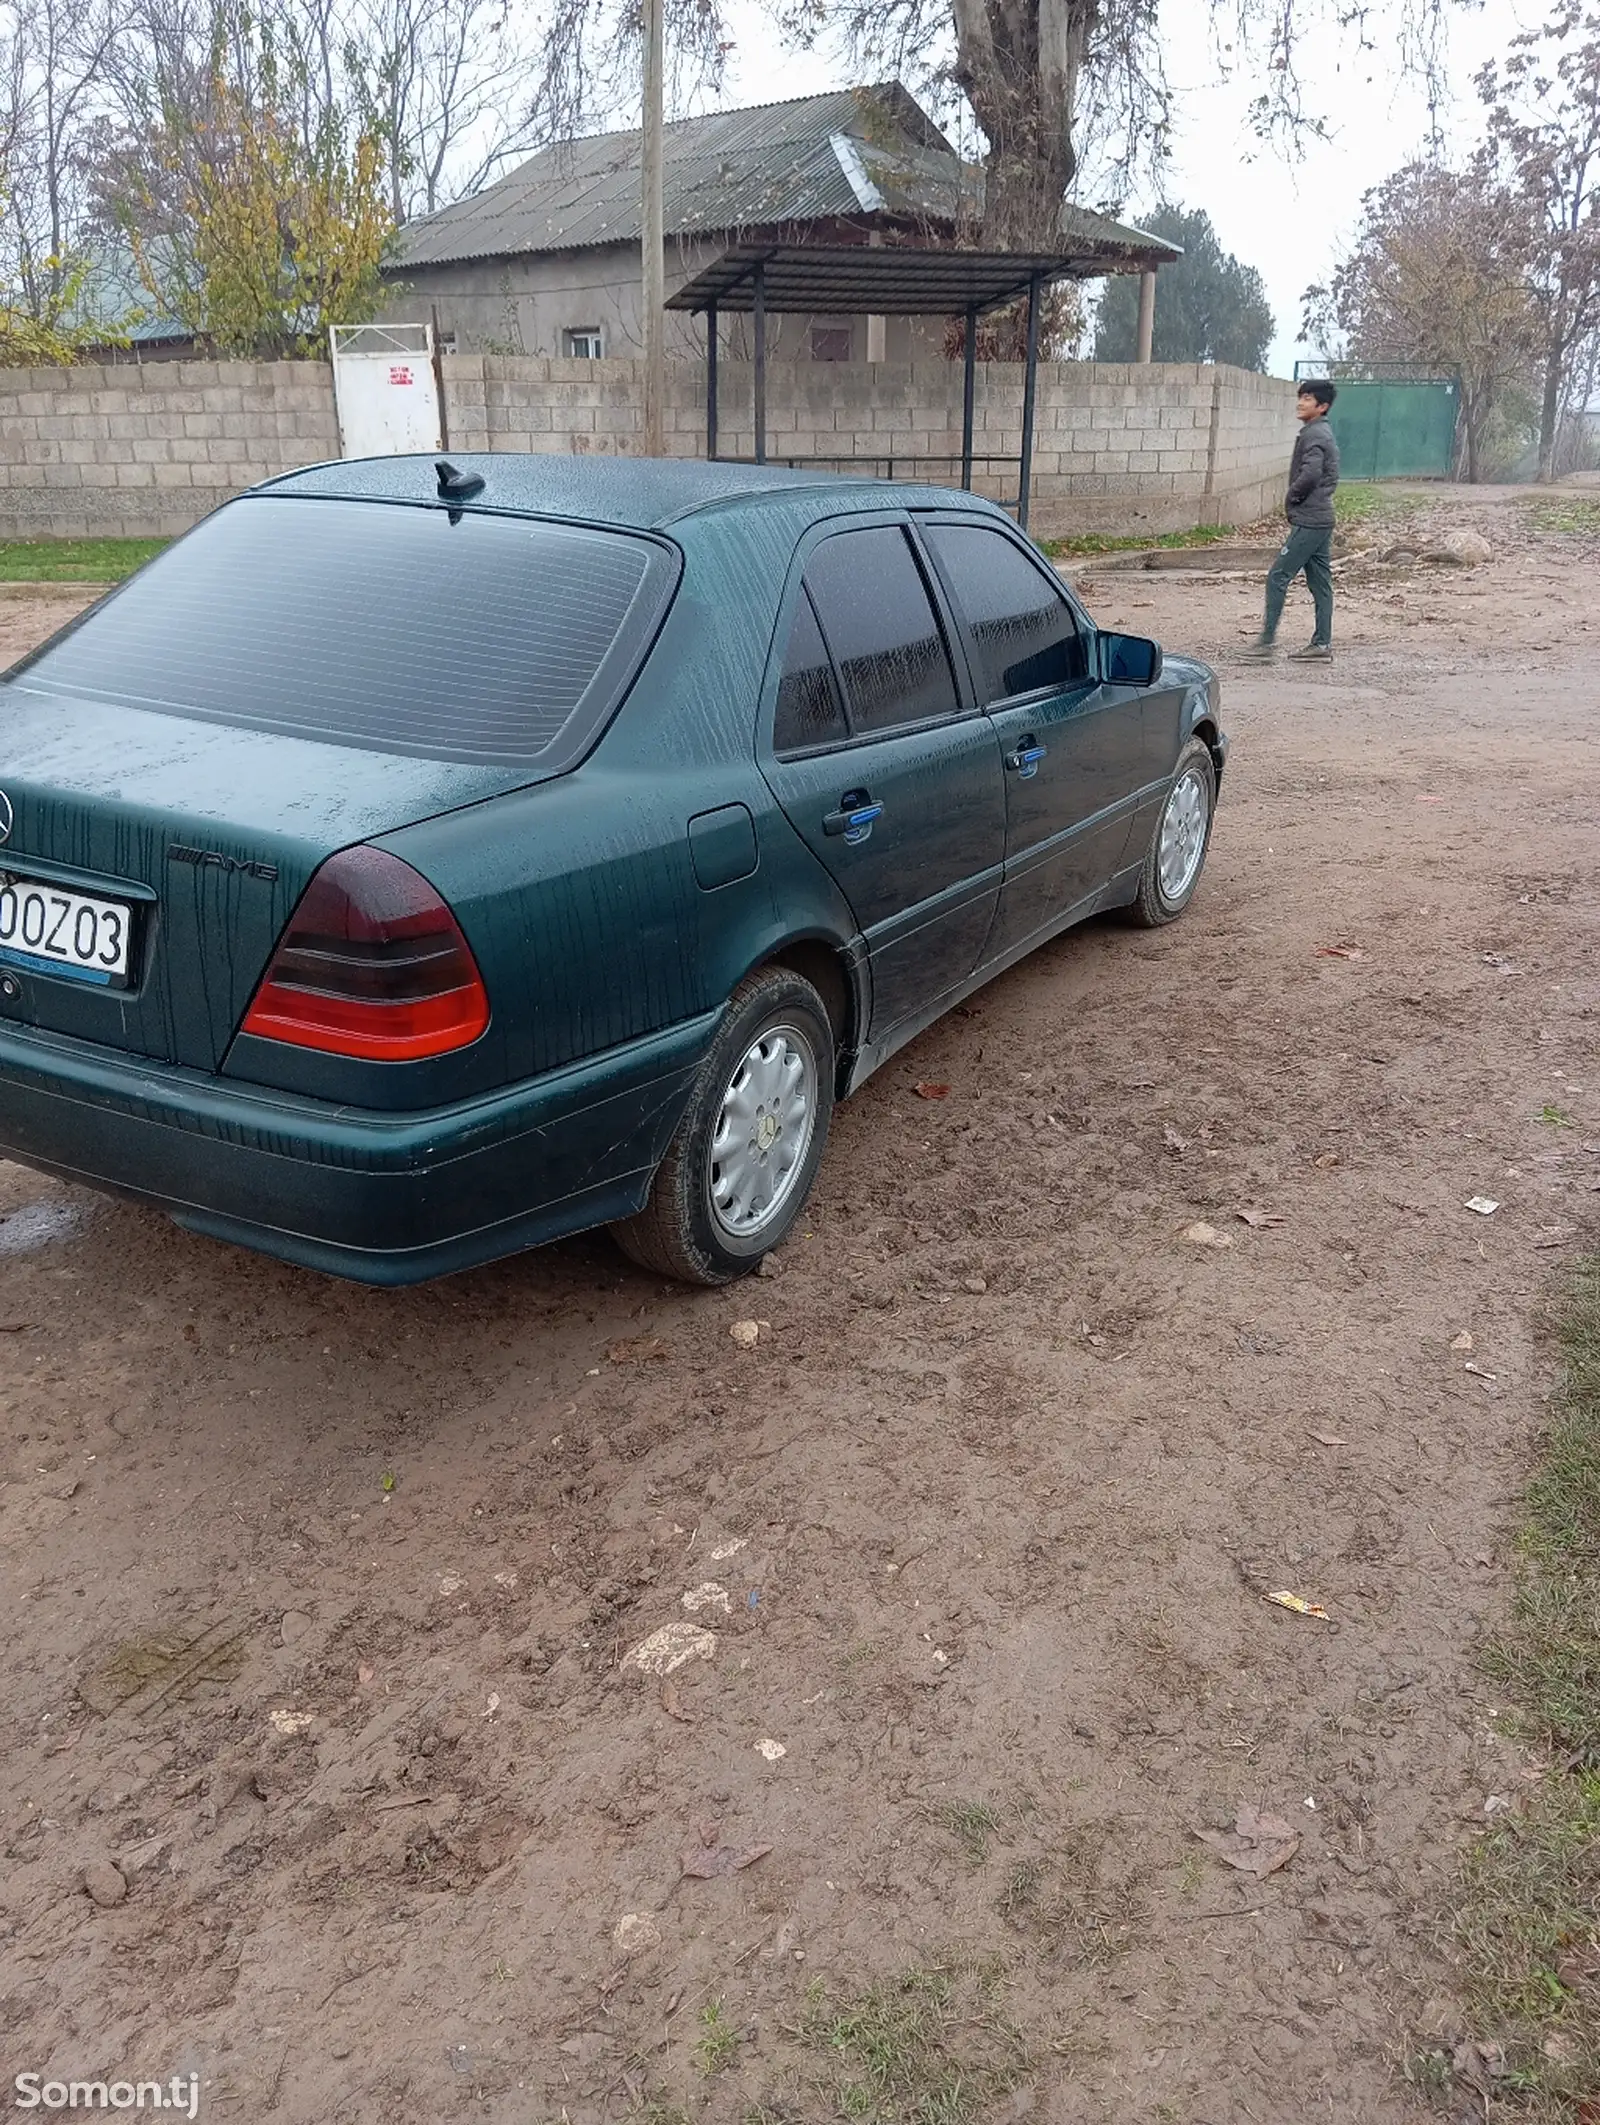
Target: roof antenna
x,y
456,485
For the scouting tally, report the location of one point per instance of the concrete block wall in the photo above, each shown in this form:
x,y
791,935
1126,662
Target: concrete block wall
x,y
147,451
1116,447
140,452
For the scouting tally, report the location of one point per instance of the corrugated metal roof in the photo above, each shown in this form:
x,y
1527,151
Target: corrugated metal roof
x,y
818,158
114,299
728,169
901,280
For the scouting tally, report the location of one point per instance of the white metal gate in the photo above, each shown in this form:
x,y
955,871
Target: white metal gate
x,y
385,389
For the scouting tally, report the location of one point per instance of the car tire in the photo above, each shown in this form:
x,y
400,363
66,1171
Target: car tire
x,y
764,1091
1177,853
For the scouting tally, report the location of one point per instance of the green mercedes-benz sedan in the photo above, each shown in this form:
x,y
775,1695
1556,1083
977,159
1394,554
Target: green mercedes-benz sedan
x,y
420,861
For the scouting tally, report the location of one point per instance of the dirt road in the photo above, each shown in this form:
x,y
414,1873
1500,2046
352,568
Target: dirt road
x,y
319,1600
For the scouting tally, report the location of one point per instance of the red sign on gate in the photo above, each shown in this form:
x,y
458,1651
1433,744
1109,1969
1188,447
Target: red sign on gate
x,y
401,373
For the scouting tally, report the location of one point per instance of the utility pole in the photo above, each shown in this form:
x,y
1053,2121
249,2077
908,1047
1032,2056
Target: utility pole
x,y
653,233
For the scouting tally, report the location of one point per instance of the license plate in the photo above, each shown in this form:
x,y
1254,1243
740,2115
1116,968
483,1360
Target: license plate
x,y
48,929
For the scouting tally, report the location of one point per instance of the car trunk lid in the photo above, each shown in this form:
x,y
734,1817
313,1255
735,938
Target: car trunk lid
x,y
207,835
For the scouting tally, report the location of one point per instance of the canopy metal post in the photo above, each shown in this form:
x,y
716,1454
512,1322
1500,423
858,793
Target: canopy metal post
x,y
1147,316
1030,387
761,364
969,377
711,380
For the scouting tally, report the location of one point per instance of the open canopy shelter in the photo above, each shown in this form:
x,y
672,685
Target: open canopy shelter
x,y
756,280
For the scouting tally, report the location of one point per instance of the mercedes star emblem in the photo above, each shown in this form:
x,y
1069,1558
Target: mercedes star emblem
x,y
6,817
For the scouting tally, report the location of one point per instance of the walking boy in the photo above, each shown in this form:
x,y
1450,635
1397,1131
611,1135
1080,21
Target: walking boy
x,y
1313,475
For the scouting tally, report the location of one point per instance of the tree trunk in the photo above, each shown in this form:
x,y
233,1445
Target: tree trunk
x,y
1550,412
1019,66
1024,186
1471,424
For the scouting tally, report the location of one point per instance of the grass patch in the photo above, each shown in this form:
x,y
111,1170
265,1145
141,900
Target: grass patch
x,y
971,1823
718,2040
1566,514
74,560
1528,1926
1371,502
932,2046
1021,1892
1093,542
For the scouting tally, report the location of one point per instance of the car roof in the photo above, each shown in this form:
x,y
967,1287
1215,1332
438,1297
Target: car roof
x,y
641,493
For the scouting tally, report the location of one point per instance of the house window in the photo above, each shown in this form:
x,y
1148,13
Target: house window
x,y
830,343
583,343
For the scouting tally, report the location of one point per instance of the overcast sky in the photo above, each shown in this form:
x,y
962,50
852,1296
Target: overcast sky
x,y
1289,219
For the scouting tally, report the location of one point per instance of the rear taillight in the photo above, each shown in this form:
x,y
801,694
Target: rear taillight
x,y
373,964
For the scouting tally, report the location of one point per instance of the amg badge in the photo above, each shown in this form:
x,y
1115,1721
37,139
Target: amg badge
x,y
179,852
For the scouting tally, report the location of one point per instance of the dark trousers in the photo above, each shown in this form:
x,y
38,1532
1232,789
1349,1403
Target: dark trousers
x,y
1307,548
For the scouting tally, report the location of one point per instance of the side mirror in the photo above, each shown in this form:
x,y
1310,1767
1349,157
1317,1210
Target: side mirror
x,y
1129,660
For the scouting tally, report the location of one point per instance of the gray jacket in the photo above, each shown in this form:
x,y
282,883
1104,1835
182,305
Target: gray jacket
x,y
1313,475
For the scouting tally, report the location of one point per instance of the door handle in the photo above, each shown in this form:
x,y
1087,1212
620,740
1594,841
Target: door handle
x,y
854,817
1024,761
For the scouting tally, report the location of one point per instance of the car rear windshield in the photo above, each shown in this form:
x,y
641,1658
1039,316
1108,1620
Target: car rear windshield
x,y
398,629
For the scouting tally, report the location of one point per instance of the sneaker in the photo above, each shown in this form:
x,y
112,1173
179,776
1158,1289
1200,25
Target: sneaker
x,y
1313,653
1261,651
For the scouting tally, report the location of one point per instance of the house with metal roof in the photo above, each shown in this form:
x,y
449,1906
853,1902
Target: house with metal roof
x,y
546,261
113,300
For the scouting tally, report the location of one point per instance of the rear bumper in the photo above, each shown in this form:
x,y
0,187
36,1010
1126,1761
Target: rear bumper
x,y
383,1198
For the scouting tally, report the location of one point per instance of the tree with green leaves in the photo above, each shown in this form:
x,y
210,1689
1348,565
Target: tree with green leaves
x,y
254,228
1210,307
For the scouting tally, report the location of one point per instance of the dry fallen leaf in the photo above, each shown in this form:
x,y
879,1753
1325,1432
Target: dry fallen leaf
x,y
1300,1606
1340,951
703,1863
1461,1342
672,1705
1326,1159
1173,1141
931,1091
1479,2065
1484,1205
636,1933
638,1350
1327,1438
1204,1235
1258,1218
1257,1844
363,1674
747,1334
670,1647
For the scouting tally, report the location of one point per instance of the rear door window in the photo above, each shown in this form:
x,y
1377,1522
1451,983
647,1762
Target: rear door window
x,y
809,710
1024,634
881,626
495,639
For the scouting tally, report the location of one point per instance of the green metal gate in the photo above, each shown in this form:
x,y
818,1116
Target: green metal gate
x,y
1392,425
